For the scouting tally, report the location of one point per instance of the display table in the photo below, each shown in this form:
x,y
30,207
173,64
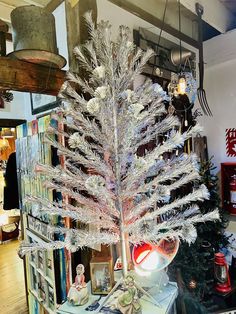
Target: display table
x,y
166,299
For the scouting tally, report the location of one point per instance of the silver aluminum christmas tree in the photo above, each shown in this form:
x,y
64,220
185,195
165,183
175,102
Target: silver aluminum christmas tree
x,y
126,194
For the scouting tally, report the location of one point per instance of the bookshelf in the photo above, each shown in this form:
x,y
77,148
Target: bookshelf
x,y
45,271
41,277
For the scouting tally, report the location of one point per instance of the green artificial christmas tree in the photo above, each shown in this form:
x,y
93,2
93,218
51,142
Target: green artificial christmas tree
x,y
196,262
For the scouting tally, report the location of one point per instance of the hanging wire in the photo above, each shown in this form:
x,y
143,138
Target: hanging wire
x,y
187,61
162,26
180,41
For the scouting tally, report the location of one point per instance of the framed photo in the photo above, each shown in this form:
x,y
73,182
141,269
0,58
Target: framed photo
x,y
102,276
41,102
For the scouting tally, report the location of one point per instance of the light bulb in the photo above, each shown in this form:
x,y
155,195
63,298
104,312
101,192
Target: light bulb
x,y
151,262
159,72
181,86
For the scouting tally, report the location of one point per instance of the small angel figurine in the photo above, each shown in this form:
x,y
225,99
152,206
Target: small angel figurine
x,y
78,293
126,300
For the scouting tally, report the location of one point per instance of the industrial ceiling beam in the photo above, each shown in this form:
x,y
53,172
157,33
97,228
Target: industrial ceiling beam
x,y
75,21
215,13
148,14
52,5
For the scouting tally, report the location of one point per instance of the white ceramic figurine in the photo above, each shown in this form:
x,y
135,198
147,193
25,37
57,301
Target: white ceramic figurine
x,y
78,293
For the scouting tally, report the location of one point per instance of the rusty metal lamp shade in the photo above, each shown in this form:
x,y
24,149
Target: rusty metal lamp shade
x,y
178,58
34,37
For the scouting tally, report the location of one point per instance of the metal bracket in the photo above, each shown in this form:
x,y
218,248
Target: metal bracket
x,y
199,9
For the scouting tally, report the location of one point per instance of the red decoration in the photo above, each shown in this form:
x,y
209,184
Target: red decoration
x,y
149,257
222,279
231,142
228,186
118,264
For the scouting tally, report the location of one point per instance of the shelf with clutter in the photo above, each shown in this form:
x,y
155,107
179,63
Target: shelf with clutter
x,y
165,295
146,286
45,271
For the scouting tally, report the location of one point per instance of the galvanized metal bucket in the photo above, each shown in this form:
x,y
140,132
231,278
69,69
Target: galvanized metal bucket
x,y
34,36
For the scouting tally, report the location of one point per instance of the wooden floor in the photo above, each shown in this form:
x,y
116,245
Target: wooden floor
x,y
12,289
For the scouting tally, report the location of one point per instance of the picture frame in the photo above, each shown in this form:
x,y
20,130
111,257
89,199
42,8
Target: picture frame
x,y
102,275
41,102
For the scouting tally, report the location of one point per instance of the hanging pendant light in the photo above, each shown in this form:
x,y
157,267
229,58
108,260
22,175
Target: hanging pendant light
x,y
178,57
181,86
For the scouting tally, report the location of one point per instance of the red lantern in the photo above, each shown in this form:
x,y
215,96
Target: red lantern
x,y
221,274
232,188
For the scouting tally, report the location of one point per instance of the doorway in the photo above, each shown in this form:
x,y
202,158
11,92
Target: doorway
x,y
12,269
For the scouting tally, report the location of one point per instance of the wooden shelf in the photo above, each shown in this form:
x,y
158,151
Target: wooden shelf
x,y
48,279
41,302
24,76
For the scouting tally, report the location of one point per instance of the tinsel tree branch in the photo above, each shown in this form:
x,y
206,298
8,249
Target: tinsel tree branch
x,y
74,240
79,213
197,195
167,229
